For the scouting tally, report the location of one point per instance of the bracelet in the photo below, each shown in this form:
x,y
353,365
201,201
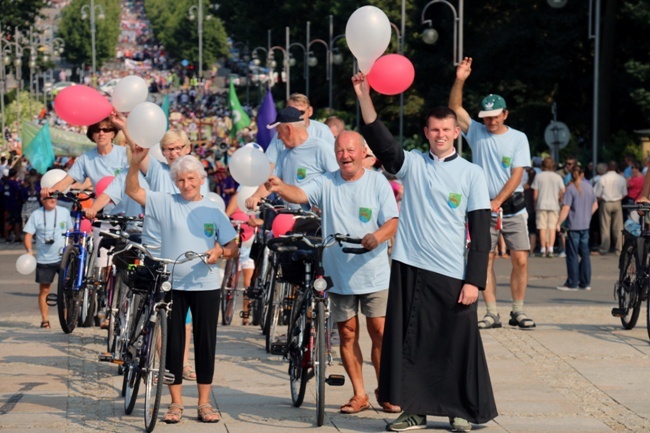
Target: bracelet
x,y
223,250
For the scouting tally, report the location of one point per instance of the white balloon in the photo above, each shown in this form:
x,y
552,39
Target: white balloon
x,y
255,146
243,193
214,197
147,124
129,92
156,152
249,167
26,264
365,64
52,177
367,34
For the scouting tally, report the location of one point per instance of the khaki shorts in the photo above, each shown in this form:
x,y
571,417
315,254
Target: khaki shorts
x,y
514,230
345,307
547,219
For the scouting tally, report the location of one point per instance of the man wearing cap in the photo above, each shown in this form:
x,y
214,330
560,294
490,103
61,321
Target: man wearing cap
x,y
304,156
503,152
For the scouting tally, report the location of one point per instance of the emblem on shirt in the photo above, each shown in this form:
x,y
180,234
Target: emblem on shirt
x,y
301,173
208,229
62,225
454,200
365,214
506,161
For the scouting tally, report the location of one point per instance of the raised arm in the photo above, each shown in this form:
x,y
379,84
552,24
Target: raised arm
x,y
119,120
133,188
463,71
290,193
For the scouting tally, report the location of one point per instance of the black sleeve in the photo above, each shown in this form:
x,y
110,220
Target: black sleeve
x,y
383,144
479,249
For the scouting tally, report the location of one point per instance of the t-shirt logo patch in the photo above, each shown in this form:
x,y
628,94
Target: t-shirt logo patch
x,y
365,214
208,229
506,161
454,200
301,173
62,225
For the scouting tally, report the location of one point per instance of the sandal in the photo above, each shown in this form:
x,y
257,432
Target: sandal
x,y
356,405
386,406
520,319
490,321
45,324
207,414
188,372
174,413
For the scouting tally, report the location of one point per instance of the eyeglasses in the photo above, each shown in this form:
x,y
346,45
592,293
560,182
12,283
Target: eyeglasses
x,y
173,149
104,130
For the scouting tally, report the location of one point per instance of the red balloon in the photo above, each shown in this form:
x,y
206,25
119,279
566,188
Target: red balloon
x,y
247,231
103,184
81,105
86,226
391,74
282,224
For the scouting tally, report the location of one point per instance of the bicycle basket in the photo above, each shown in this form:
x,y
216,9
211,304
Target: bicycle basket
x,y
293,271
125,259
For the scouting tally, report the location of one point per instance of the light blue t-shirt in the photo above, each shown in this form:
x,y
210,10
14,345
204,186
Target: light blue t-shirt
x,y
498,154
315,129
123,203
49,224
189,226
355,208
437,197
95,166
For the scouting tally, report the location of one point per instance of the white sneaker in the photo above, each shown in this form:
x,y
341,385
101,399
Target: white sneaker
x,y
585,288
567,288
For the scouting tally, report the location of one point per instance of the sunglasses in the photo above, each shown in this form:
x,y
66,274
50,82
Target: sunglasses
x,y
104,130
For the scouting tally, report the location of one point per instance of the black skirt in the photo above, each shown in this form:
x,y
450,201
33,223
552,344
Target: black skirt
x,y
432,358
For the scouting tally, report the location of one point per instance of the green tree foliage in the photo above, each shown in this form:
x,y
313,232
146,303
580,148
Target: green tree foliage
x,y
19,14
77,35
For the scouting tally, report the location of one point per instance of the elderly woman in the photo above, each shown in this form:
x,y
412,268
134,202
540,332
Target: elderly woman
x,y
188,222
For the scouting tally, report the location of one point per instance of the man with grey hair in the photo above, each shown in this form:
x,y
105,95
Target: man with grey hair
x,y
610,190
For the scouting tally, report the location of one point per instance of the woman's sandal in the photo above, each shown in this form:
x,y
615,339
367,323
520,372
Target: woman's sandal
x,y
174,413
188,372
207,414
45,324
356,405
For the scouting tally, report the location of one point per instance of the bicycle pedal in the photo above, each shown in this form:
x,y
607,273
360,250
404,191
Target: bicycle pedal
x,y
106,357
168,378
335,380
244,314
51,299
278,348
619,312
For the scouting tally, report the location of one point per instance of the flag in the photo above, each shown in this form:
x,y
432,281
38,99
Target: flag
x,y
266,115
65,143
165,108
39,149
240,119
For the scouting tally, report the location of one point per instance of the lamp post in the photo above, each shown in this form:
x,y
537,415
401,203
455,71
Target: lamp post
x,y
6,46
196,12
256,64
53,48
335,58
285,62
88,10
245,56
400,46
430,36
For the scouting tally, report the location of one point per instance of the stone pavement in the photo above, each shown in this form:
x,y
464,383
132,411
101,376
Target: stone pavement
x,y
578,371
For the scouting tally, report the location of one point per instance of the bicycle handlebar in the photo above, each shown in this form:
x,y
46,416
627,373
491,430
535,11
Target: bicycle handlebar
x,y
638,206
279,244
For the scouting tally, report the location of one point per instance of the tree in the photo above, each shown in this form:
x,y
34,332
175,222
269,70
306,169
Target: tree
x,y
19,14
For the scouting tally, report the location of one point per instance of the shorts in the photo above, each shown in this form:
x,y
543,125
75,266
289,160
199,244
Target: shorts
x,y
514,230
246,264
345,307
45,272
547,219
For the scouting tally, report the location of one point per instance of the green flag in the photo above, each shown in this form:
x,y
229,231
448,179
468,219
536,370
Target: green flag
x,y
165,108
64,142
240,119
39,149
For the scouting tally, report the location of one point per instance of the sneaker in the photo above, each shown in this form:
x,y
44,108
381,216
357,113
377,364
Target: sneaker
x,y
562,255
568,289
550,255
408,421
459,424
585,288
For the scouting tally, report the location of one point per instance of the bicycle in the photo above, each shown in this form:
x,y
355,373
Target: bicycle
x,y
230,282
76,292
308,347
631,289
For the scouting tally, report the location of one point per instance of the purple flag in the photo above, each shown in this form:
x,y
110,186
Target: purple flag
x,y
266,115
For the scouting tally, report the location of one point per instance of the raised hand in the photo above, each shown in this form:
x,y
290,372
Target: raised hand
x,y
464,69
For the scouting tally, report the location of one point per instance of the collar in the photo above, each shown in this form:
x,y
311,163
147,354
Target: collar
x,y
449,157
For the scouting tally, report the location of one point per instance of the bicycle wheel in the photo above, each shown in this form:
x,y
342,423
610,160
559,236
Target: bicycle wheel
x,y
320,362
88,307
67,297
229,291
155,369
275,314
133,375
118,315
267,285
626,289
298,371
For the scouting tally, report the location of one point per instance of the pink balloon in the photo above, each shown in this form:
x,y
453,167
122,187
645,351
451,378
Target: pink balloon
x,y
86,226
103,184
247,231
391,74
282,224
81,105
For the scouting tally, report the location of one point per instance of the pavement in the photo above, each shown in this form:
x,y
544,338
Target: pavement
x,y
578,371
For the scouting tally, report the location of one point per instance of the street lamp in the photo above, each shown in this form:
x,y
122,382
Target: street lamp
x,y
196,12
256,65
271,63
335,58
246,58
52,49
5,49
86,11
430,36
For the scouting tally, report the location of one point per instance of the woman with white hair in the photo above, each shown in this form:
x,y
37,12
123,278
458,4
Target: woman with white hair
x,y
188,222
